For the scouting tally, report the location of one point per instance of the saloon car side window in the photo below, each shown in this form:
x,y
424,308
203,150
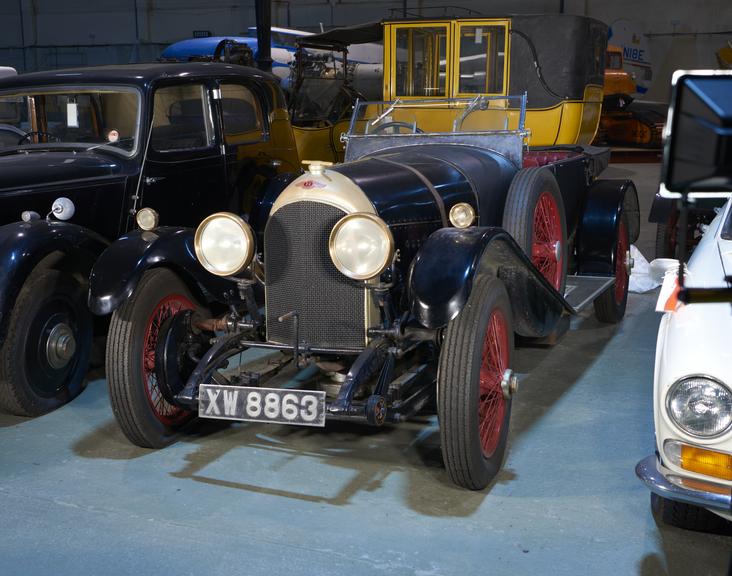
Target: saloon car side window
x,y
241,115
181,118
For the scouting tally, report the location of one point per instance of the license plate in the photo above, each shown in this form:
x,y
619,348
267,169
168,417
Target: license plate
x,y
274,405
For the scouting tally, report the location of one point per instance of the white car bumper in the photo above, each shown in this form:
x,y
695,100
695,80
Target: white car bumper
x,y
666,483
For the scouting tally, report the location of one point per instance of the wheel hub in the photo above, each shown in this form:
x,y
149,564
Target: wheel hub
x,y
509,384
629,262
60,346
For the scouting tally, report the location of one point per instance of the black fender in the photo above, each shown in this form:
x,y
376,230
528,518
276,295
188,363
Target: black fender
x,y
598,230
24,245
661,209
121,266
443,272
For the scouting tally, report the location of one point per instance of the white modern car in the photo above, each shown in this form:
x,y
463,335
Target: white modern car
x,y
690,475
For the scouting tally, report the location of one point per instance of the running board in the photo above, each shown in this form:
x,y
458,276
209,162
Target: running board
x,y
582,290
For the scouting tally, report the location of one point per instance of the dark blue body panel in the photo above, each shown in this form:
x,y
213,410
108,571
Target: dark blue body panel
x,y
413,188
24,245
118,270
441,278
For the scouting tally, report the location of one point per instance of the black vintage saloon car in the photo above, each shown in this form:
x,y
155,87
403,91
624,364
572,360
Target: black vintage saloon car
x,y
185,140
394,279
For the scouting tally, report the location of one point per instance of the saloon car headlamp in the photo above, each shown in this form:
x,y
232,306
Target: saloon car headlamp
x,y
224,244
147,218
361,245
700,406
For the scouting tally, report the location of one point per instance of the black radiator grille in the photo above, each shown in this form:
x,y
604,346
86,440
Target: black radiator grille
x,y
301,276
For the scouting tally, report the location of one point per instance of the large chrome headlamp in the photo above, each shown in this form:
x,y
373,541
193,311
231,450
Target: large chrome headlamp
x,y
361,246
700,406
224,244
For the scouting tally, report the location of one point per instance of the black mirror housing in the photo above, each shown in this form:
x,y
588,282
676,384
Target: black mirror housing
x,y
697,154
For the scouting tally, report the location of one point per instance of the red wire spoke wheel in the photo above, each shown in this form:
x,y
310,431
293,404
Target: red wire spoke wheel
x,y
142,412
610,305
167,413
491,403
534,216
472,410
546,241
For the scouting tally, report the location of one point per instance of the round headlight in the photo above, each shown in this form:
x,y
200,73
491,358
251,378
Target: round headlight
x,y
700,406
462,215
361,246
224,244
147,218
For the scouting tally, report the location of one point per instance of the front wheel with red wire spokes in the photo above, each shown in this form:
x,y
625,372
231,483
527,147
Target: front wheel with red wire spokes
x,y
610,305
534,216
146,417
474,386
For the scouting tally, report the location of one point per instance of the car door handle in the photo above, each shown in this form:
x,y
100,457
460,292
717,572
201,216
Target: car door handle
x,y
152,179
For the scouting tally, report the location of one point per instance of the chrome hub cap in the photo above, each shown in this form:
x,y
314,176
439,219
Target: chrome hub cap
x,y
629,262
509,384
60,346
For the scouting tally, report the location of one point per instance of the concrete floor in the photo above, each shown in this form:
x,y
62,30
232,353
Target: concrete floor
x,y
77,498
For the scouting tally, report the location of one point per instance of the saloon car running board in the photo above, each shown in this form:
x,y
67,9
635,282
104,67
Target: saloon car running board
x,y
582,290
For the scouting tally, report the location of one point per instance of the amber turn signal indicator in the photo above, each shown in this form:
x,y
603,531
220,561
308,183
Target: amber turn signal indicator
x,y
707,462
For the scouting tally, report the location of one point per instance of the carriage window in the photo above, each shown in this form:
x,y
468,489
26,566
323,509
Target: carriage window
x,y
242,116
482,57
181,118
421,58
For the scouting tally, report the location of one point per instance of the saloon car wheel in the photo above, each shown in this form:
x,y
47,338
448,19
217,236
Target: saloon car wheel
x,y
610,305
534,216
145,416
687,516
473,409
45,355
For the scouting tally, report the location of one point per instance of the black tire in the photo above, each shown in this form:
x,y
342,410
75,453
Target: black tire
x,y
37,376
527,188
145,417
665,242
610,305
687,516
458,398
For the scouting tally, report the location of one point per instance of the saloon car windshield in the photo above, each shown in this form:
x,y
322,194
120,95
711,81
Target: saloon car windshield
x,y
69,117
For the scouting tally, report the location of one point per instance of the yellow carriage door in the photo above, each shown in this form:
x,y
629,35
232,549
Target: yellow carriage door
x,y
418,61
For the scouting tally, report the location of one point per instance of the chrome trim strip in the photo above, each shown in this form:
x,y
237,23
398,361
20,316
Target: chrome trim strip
x,y
656,478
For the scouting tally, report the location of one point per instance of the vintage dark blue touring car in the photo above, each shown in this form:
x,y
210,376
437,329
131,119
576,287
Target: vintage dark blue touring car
x,y
398,277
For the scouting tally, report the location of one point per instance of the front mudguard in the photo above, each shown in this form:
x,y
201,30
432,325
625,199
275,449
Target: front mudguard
x,y
598,230
24,245
120,268
444,271
661,209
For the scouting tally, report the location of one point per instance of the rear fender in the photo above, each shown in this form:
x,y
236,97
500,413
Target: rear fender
x,y
598,231
444,271
120,268
26,245
661,209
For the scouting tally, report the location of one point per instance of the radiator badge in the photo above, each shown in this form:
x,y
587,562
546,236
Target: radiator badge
x,y
311,184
